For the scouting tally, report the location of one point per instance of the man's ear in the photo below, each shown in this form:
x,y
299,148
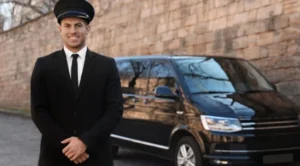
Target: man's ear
x,y
59,27
88,29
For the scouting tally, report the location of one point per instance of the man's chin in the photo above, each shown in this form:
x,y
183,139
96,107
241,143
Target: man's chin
x,y
75,46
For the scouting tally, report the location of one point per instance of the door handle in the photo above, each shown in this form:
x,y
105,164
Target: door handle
x,y
179,112
135,100
145,101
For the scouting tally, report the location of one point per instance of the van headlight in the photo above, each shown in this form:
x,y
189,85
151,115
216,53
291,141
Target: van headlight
x,y
220,124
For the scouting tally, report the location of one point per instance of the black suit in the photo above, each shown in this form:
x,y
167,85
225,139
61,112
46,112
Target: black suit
x,y
90,114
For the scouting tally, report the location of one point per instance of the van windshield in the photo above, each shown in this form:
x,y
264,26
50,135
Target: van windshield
x,y
221,75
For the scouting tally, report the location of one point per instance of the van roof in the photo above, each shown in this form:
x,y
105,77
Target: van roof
x,y
157,56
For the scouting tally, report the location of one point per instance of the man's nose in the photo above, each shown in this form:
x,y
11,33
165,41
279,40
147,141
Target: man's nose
x,y
73,29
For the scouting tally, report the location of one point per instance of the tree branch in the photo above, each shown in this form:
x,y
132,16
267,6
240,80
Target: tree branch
x,y
34,8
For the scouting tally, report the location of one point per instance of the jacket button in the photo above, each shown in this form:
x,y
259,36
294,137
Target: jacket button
x,y
74,132
75,113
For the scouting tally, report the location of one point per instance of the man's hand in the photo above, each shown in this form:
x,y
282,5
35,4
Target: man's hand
x,y
81,158
74,149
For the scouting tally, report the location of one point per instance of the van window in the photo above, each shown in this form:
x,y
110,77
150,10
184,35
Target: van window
x,y
205,75
161,75
133,76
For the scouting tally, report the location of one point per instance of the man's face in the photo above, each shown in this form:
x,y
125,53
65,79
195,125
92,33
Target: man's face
x,y
73,31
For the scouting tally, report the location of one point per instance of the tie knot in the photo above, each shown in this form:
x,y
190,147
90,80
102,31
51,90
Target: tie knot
x,y
75,56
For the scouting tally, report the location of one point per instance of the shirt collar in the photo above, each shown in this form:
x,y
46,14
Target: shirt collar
x,y
81,53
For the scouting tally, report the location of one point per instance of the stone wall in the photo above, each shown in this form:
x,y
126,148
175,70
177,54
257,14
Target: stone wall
x,y
263,31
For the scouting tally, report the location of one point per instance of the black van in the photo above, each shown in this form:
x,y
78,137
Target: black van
x,y
195,110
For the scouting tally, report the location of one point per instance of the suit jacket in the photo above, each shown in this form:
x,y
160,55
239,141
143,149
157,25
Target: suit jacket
x,y
90,113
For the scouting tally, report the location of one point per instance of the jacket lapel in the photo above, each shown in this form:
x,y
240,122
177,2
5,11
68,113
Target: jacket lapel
x,y
64,70
87,69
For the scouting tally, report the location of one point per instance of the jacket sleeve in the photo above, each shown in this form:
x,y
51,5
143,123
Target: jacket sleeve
x,y
113,111
40,114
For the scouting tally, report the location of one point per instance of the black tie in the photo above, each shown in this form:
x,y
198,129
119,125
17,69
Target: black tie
x,y
74,71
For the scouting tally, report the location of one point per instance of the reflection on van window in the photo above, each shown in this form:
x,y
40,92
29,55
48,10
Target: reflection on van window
x,y
213,75
161,75
133,76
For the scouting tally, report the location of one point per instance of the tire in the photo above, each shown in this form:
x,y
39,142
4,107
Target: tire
x,y
180,156
114,151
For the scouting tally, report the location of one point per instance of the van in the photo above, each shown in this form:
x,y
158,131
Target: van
x,y
198,110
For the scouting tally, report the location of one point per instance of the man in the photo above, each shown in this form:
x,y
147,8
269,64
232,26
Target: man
x,y
76,99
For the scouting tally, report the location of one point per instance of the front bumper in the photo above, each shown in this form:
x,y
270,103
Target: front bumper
x,y
269,156
253,149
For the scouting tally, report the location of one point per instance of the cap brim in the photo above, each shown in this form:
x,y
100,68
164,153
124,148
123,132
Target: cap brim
x,y
78,14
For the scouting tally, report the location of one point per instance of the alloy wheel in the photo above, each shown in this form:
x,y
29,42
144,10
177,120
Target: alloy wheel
x,y
186,156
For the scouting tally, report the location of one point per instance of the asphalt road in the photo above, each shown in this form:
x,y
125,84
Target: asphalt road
x,y
19,146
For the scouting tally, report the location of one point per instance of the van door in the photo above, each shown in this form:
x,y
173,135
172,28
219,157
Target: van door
x,y
134,80
163,110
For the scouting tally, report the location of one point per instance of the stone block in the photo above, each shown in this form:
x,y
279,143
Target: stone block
x,y
269,11
174,44
190,40
294,19
219,23
291,33
265,38
252,15
241,18
162,28
240,6
167,36
281,22
190,20
232,8
176,14
175,24
222,3
222,11
174,4
183,32
159,47
277,49
158,9
289,87
240,42
158,2
252,40
252,4
254,53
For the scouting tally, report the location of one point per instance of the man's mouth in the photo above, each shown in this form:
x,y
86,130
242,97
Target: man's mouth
x,y
73,38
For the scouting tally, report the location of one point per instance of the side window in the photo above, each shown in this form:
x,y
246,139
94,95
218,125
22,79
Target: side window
x,y
133,76
161,75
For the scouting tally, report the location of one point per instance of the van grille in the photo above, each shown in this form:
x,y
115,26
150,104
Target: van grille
x,y
270,125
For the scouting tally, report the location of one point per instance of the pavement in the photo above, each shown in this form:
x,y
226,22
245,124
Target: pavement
x,y
19,144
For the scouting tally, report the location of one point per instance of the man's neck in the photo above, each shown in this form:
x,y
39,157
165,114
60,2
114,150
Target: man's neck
x,y
75,50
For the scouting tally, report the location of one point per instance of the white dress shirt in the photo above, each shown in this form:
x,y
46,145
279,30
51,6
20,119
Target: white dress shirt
x,y
80,60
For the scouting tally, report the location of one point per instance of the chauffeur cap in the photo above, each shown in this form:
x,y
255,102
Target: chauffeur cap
x,y
74,8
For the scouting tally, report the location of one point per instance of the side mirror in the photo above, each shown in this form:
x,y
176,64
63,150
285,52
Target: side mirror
x,y
164,92
274,87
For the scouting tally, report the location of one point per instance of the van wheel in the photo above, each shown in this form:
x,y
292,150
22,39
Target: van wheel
x,y
115,150
187,153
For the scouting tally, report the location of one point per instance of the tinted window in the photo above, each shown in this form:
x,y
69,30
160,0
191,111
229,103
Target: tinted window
x,y
203,74
161,75
133,75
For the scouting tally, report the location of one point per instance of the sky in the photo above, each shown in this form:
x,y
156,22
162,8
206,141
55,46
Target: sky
x,y
5,8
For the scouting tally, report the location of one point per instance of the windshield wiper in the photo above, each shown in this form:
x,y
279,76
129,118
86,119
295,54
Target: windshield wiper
x,y
211,92
256,91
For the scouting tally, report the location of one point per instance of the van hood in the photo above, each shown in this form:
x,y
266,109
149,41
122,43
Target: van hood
x,y
249,105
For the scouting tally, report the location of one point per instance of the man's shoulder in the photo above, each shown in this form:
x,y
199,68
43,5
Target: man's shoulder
x,y
101,57
49,56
